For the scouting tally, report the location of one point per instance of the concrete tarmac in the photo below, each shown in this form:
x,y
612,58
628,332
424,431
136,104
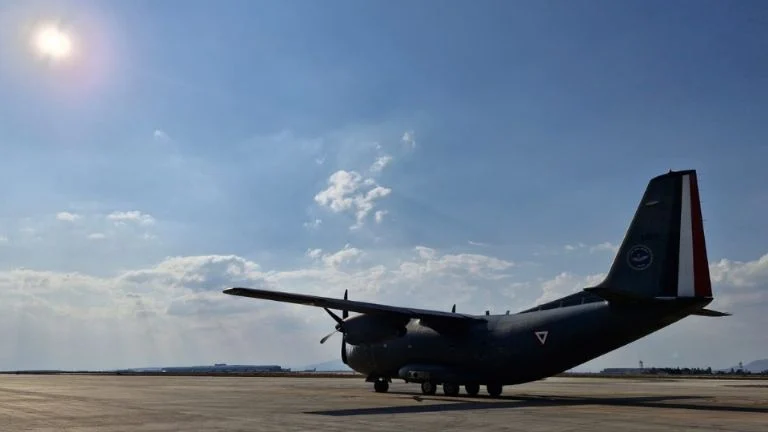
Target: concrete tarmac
x,y
136,403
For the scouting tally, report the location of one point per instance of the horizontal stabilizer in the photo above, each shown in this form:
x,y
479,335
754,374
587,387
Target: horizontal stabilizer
x,y
625,298
710,313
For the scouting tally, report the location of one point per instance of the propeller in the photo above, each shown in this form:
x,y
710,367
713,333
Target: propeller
x,y
339,328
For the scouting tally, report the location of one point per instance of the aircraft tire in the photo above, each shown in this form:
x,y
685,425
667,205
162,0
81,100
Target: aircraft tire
x,y
472,389
381,386
494,390
428,388
451,389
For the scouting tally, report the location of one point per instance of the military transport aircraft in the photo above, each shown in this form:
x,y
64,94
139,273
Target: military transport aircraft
x,y
659,276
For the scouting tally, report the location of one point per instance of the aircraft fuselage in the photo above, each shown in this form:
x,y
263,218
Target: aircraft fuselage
x,y
512,349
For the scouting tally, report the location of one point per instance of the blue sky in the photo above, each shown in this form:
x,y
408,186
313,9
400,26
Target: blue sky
x,y
516,131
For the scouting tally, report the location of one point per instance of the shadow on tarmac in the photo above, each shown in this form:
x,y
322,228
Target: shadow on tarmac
x,y
522,401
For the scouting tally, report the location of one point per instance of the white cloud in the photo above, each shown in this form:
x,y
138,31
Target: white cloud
x,y
430,262
604,247
160,136
742,282
314,253
96,236
134,216
425,252
159,314
566,283
570,248
379,215
349,191
410,139
381,163
345,255
4,239
314,224
67,216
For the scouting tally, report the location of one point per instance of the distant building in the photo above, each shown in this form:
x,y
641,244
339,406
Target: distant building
x,y
623,371
224,368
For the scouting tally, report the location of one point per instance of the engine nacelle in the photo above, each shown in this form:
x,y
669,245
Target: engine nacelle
x,y
366,329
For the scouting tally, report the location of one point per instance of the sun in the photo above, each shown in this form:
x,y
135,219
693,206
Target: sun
x,y
52,42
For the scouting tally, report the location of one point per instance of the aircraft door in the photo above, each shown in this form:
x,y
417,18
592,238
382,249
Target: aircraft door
x,y
482,342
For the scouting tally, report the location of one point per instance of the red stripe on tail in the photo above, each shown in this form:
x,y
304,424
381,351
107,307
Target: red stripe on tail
x,y
701,282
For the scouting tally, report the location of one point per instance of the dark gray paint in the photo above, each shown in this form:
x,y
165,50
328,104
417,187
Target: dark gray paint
x,y
446,347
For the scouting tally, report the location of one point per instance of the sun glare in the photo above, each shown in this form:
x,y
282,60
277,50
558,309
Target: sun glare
x,y
54,43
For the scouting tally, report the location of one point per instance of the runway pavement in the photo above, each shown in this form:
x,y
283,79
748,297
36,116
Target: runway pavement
x,y
136,403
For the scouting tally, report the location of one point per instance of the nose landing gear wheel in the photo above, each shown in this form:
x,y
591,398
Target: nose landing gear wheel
x,y
428,388
381,385
451,389
472,389
494,390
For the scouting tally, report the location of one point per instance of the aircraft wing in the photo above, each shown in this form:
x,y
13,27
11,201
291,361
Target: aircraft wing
x,y
439,318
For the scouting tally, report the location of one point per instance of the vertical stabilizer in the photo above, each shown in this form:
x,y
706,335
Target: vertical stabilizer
x,y
663,253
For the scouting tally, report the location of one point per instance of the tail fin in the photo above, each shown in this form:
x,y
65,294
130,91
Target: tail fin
x,y
663,254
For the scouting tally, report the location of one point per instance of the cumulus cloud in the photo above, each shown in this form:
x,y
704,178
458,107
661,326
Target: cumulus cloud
x,y
134,216
67,216
566,283
381,163
160,304
379,215
741,282
160,136
431,262
313,224
314,253
159,313
604,247
409,138
349,191
347,254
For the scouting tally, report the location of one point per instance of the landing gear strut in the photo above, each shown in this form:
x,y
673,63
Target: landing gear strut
x,y
381,385
451,389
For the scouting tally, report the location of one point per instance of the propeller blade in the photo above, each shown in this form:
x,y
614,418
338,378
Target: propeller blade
x,y
322,341
345,313
334,316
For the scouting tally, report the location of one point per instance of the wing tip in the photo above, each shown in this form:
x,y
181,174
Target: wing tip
x,y
233,291
711,313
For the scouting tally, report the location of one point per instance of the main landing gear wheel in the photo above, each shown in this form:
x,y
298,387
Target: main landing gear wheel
x,y
428,388
494,390
381,385
451,389
472,389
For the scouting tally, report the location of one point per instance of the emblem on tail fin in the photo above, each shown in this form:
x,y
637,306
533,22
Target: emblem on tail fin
x,y
639,257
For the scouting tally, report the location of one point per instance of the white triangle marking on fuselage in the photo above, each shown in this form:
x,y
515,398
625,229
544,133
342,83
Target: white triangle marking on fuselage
x,y
542,336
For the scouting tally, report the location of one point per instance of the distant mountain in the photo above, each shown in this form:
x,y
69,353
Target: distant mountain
x,y
756,366
329,366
